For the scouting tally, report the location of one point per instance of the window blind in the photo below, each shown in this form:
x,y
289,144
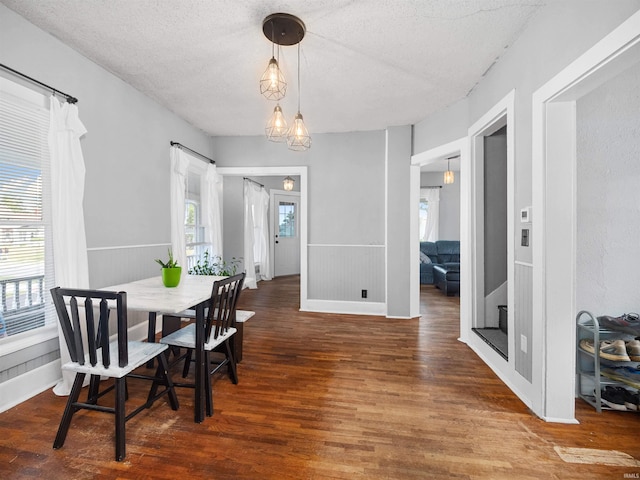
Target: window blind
x,y
26,259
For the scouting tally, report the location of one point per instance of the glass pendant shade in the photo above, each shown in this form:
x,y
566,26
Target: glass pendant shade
x,y
298,138
448,177
272,84
288,183
276,128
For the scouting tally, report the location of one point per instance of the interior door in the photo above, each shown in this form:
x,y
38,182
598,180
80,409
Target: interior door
x,y
287,234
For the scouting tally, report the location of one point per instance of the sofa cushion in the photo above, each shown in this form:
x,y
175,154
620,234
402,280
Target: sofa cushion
x,y
448,251
429,249
424,258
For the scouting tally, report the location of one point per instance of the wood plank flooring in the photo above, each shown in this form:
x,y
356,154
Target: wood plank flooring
x,y
332,397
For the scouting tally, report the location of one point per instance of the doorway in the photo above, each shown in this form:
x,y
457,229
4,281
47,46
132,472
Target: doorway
x,y
492,326
302,172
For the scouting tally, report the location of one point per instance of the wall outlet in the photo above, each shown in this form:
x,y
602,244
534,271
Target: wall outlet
x,y
523,343
364,294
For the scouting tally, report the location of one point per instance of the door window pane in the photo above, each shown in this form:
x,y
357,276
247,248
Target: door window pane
x,y
287,219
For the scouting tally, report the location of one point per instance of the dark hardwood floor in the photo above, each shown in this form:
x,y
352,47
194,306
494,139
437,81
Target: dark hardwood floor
x,y
331,397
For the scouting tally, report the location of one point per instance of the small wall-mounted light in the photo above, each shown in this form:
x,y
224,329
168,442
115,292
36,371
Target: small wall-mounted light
x,y
449,177
288,183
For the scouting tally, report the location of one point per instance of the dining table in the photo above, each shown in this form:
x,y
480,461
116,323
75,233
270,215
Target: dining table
x,y
192,293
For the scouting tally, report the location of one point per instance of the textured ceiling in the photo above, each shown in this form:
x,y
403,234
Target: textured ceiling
x,y
365,64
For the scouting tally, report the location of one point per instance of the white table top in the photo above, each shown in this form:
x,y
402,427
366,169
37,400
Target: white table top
x,y
150,295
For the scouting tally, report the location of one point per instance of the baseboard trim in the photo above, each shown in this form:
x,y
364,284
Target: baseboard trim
x,y
29,384
353,308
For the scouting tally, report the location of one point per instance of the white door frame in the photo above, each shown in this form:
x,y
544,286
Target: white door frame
x,y
284,171
457,147
554,213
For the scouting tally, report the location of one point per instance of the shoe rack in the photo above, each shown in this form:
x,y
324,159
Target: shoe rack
x,y
591,378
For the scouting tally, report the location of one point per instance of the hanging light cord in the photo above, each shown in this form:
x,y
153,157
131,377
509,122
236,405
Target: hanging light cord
x,y
298,76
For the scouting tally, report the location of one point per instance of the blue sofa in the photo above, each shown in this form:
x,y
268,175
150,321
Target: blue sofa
x,y
442,252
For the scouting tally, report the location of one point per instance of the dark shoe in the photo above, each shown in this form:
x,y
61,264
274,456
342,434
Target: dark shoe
x,y
613,398
627,323
631,400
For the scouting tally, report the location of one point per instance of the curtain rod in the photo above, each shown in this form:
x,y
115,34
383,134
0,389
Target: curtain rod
x,y
245,178
179,145
69,98
430,186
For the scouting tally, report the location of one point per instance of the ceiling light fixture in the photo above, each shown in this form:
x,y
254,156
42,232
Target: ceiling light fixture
x,y
277,129
448,175
283,29
272,83
288,183
298,137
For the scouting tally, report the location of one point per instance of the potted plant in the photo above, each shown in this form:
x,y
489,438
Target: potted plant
x,y
214,265
171,271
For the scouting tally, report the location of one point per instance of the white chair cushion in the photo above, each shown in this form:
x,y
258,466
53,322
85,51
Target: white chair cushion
x,y
241,315
186,338
244,315
139,354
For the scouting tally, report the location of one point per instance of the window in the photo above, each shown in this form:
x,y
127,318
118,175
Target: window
x,y
26,259
424,214
193,228
287,219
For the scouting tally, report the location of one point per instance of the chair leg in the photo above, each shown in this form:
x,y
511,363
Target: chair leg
x,y
187,363
162,373
69,410
94,389
233,372
208,388
120,418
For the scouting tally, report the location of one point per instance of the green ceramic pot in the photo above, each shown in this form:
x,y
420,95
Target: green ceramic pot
x,y
171,276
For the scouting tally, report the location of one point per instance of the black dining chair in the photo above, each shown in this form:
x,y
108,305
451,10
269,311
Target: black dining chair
x,y
218,335
115,358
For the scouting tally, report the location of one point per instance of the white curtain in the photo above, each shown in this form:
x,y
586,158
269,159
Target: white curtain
x,y
251,192
211,188
256,233
429,227
178,186
70,262
261,227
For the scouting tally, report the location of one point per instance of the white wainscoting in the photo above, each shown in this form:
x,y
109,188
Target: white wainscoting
x,y
523,319
341,273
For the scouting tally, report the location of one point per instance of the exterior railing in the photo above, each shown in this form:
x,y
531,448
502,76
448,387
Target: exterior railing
x,y
22,304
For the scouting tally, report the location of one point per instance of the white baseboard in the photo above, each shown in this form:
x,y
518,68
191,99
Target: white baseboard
x,y
28,385
353,308
33,382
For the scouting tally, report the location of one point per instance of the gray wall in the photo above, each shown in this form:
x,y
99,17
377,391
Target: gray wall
x,y
608,209
126,152
449,218
495,210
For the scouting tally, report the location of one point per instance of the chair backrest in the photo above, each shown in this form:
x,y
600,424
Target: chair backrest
x,y
222,309
75,308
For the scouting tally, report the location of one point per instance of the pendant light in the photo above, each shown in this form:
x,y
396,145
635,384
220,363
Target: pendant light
x,y
448,175
283,29
298,138
288,183
272,84
276,128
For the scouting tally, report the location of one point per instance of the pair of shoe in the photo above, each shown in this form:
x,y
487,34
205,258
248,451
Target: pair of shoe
x,y
628,323
616,350
619,398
